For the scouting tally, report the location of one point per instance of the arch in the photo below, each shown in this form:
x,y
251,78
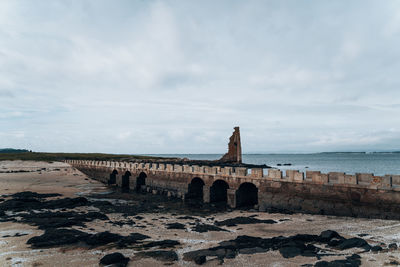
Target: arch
x,y
195,189
247,195
140,180
125,182
113,177
218,191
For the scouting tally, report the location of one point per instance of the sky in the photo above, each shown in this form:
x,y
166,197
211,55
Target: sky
x,y
145,77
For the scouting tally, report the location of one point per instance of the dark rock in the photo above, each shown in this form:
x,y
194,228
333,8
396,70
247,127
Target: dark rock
x,y
252,250
393,246
47,220
29,194
28,204
162,244
102,238
175,226
327,235
200,260
57,237
354,242
201,228
131,239
351,261
242,220
161,255
115,258
292,246
362,235
376,248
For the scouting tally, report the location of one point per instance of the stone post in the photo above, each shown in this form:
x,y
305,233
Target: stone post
x,y
231,195
206,194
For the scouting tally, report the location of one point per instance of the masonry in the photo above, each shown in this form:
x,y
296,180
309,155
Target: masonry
x,y
335,193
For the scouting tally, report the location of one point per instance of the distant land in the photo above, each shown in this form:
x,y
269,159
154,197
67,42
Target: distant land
x,y
22,154
12,150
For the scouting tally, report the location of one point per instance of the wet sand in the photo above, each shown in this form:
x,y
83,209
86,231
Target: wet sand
x,y
60,178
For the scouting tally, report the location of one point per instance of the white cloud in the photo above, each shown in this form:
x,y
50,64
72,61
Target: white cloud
x,y
163,76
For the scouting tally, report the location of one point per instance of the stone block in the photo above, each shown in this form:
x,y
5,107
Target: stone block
x,y
257,172
178,168
154,166
161,166
216,170
226,170
187,168
274,174
298,176
169,168
395,180
386,182
336,177
364,178
294,175
240,171
196,168
350,179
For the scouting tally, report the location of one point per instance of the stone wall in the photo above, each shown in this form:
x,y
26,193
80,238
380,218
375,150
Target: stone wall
x,y
335,193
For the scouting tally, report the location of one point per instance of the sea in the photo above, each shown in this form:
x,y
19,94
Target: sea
x,y
349,162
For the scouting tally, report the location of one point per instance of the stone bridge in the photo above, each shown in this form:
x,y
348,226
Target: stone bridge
x,y
313,192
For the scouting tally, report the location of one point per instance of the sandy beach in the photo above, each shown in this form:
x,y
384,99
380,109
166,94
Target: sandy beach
x,y
58,177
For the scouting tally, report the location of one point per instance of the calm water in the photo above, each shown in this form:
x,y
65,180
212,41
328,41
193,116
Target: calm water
x,y
377,163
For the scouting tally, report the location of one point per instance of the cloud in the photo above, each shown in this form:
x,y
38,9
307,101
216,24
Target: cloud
x,y
168,77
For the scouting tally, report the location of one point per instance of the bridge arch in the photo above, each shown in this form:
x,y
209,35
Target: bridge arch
x,y
246,195
125,182
140,180
195,189
113,177
219,191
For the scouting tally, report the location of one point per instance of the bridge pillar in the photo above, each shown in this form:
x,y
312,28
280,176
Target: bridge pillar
x,y
231,195
206,194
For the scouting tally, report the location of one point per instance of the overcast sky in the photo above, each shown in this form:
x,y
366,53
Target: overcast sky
x,y
177,76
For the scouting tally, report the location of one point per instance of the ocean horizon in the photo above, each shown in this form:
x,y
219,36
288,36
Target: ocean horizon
x,y
378,163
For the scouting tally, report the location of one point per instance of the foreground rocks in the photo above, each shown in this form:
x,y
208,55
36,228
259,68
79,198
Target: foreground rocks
x,y
116,259
289,247
59,217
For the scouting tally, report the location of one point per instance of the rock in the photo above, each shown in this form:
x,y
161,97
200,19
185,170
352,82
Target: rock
x,y
30,194
175,226
328,235
57,237
201,228
161,255
200,260
102,238
376,248
351,261
242,220
115,258
131,239
392,246
354,242
162,244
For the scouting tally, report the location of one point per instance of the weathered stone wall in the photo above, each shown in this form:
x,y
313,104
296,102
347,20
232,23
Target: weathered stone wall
x,y
334,193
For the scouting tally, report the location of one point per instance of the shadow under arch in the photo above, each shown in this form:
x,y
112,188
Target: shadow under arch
x,y
195,189
219,191
140,180
247,195
125,182
113,177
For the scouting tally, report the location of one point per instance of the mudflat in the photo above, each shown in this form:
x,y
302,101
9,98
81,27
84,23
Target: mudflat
x,y
53,215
